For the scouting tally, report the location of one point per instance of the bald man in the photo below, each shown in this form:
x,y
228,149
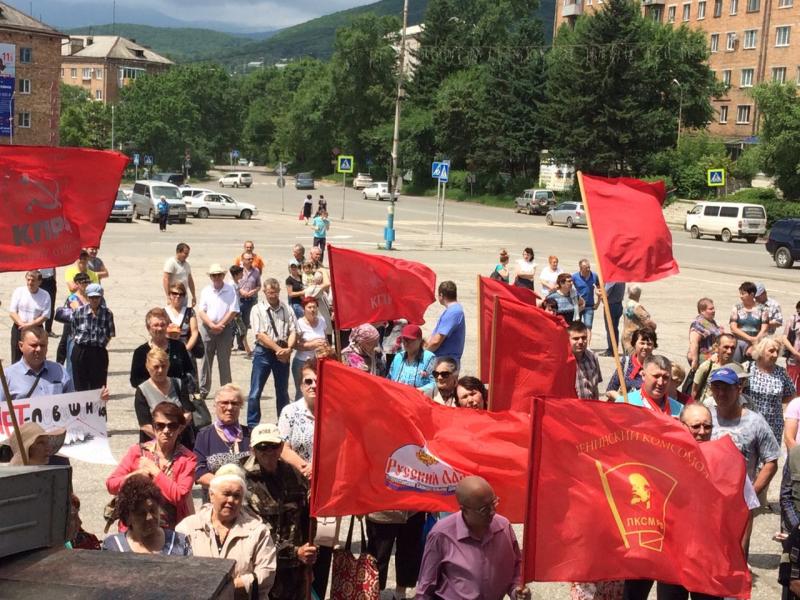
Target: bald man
x,y
472,554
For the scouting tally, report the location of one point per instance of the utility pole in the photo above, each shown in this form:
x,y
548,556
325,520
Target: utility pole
x,y
388,234
112,126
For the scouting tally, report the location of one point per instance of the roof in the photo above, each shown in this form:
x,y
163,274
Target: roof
x,y
111,46
11,18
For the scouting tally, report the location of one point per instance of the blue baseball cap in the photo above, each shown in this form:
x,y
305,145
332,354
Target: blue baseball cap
x,y
94,289
725,375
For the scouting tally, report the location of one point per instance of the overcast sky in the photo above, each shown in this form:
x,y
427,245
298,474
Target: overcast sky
x,y
244,14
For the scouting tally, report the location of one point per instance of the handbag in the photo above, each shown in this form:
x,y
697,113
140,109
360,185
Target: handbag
x,y
63,314
198,351
354,578
201,416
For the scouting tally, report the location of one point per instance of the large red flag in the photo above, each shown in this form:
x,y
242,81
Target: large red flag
x,y
631,236
381,445
488,288
53,202
369,288
532,357
620,490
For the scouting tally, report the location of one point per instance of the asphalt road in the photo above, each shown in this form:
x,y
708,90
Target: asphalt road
x,y
473,235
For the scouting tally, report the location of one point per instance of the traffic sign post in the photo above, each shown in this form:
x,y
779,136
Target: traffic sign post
x,y
440,170
715,177
344,165
282,185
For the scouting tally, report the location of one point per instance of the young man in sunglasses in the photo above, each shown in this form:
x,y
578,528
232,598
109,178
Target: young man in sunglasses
x,y
445,374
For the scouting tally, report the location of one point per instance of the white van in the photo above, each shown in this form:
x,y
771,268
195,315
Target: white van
x,y
146,195
727,220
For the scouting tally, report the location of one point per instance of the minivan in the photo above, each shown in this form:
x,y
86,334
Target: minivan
x,y
727,220
146,196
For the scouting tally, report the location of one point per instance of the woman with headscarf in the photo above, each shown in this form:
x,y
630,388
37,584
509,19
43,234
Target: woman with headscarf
x,y
363,352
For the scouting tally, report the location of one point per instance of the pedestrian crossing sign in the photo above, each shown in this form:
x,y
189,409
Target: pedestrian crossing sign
x,y
345,164
716,177
440,171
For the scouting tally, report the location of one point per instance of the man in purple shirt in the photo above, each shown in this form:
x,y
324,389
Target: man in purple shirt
x,y
472,554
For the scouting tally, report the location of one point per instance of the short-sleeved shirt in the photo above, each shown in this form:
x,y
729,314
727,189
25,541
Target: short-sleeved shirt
x,y
615,292
550,276
793,324
217,303
635,398
453,326
283,318
54,380
588,376
179,272
585,287
89,329
320,226
175,544
766,392
774,314
793,412
752,436
296,426
251,280
749,320
70,272
565,305
96,264
306,333
30,306
295,285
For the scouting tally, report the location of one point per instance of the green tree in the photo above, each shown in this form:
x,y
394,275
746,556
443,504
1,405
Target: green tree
x,y
83,122
779,106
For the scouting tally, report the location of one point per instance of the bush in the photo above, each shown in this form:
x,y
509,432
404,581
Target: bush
x,y
768,198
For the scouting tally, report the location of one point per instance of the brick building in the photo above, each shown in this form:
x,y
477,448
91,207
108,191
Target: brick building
x,y
750,41
104,64
30,59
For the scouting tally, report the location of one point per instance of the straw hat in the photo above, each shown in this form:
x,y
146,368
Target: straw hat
x,y
30,433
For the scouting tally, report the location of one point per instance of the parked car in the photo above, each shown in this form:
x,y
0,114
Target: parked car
x,y
377,191
566,213
242,162
174,178
147,194
304,181
188,191
214,204
783,242
361,181
123,209
236,180
535,201
726,220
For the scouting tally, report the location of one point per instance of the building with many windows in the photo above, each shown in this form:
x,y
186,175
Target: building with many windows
x,y
750,42
104,64
30,57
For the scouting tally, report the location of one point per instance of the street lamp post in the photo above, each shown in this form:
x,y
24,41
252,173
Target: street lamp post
x,y
11,119
680,110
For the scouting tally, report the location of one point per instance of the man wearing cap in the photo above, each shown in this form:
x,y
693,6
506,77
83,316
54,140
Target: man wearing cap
x,y
273,324
413,365
774,313
653,394
30,305
91,327
451,328
278,493
218,306
178,270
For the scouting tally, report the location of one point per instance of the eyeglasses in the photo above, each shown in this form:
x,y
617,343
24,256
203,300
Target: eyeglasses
x,y
485,510
161,426
438,374
266,447
177,293
309,381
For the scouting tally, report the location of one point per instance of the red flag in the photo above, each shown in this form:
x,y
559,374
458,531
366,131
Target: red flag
x,y
53,202
488,288
633,242
369,288
381,445
618,486
532,357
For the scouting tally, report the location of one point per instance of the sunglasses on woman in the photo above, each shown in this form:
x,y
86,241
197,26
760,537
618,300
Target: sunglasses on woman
x,y
171,426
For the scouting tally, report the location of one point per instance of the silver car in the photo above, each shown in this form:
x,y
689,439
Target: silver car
x,y
123,209
570,214
218,205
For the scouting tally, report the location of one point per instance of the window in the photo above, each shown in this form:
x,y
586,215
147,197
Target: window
x,y
779,74
730,42
747,78
753,5
729,211
656,13
782,35
723,114
24,119
711,211
62,72
714,42
98,94
671,14
734,6
26,56
750,36
784,3
73,73
717,8
98,73
701,10
743,114
687,11
726,77
87,73
24,86
131,72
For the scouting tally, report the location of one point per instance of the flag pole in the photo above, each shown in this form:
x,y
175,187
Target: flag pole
x,y
14,422
336,331
492,369
603,297
479,366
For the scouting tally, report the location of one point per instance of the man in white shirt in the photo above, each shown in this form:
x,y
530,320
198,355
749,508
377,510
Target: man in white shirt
x,y
216,309
30,305
177,270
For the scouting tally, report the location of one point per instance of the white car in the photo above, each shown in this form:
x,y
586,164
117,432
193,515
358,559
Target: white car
x,y
213,204
361,181
187,190
236,180
377,191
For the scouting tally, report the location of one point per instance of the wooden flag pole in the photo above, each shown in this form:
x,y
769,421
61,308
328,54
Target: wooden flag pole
x,y
604,298
492,368
479,368
14,423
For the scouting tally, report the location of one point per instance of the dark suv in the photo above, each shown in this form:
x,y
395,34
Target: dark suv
x,y
784,242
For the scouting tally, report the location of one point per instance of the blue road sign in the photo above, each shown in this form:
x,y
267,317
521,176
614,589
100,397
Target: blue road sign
x,y
436,169
136,159
444,172
345,164
148,160
716,177
235,153
440,170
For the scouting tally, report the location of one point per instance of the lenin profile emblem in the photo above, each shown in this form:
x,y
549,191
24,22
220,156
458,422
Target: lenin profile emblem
x,y
638,495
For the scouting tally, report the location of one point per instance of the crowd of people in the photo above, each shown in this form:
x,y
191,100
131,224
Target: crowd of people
x,y
254,476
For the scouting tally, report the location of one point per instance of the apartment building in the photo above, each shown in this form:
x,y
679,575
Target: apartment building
x,y
104,64
30,57
751,41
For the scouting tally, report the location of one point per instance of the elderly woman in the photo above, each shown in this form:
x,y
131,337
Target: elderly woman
x,y
221,529
158,388
644,341
749,321
635,317
39,444
311,335
139,509
569,303
278,493
182,315
165,461
445,373
317,289
769,387
413,365
181,365
549,275
471,393
225,441
364,353
703,333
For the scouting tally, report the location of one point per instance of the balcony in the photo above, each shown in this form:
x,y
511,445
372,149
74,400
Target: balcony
x,y
571,8
653,2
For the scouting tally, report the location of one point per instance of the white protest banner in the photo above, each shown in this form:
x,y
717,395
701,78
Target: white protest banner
x,y
82,414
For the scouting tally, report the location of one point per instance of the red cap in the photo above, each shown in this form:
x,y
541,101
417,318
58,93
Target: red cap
x,y
411,332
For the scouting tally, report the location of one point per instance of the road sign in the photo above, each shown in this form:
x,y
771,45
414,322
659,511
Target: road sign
x,y
716,177
436,169
136,160
345,164
440,171
148,160
281,182
235,153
